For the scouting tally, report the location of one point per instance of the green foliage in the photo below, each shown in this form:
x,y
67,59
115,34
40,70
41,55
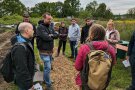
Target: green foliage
x,y
85,14
99,11
10,7
13,19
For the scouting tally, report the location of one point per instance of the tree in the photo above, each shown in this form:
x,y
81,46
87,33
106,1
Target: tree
x,y
91,7
71,8
55,8
10,7
100,12
131,13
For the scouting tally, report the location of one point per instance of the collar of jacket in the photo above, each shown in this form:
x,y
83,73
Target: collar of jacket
x,y
22,39
47,25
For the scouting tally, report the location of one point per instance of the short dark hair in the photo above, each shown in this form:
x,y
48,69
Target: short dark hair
x,y
73,19
87,19
46,13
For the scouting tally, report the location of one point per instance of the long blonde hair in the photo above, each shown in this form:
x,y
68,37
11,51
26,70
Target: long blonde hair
x,y
96,33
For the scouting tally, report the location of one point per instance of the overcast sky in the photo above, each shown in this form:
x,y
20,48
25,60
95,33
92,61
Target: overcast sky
x,y
117,6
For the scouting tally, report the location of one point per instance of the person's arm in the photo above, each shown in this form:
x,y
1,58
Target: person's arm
x,y
117,37
43,34
79,33
82,36
79,60
54,34
131,44
113,54
23,75
69,33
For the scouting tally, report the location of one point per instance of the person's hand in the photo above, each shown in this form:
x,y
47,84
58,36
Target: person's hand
x,y
127,57
50,35
109,40
32,88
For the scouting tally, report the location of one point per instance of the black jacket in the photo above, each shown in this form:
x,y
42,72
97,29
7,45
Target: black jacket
x,y
44,41
84,33
131,46
24,64
63,32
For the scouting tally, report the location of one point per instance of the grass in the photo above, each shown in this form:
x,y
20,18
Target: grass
x,y
121,77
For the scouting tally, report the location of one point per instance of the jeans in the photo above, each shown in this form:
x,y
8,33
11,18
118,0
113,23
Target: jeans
x,y
60,44
73,48
47,59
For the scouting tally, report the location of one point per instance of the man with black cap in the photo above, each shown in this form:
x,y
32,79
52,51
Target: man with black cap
x,y
26,18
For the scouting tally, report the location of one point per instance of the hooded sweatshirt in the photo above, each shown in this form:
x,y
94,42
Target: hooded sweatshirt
x,y
84,50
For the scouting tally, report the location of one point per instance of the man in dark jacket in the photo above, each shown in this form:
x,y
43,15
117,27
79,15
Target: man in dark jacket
x,y
26,18
85,30
131,58
23,58
63,33
45,44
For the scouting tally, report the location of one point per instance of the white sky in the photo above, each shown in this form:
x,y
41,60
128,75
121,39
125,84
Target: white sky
x,y
117,6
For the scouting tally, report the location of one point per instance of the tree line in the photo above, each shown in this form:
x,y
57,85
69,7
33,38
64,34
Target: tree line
x,y
60,9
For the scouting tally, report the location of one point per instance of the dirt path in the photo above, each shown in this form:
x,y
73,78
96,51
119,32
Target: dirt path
x,y
63,74
4,47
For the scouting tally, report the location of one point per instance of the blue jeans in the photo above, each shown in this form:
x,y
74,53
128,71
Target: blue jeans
x,y
47,59
73,48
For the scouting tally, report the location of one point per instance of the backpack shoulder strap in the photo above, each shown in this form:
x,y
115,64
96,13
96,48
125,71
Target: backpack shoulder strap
x,y
108,47
90,44
21,44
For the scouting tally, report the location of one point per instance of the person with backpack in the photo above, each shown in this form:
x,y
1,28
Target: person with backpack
x,y
45,44
74,37
23,58
85,30
88,60
26,18
112,35
63,32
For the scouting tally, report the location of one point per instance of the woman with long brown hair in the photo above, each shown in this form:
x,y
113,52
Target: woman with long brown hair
x,y
97,37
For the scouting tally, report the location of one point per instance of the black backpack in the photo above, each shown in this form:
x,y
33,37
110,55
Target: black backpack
x,y
7,67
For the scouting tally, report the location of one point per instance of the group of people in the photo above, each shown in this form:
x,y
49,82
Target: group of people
x,y
24,60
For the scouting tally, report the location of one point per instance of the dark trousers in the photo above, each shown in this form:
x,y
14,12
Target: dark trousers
x,y
61,42
132,63
73,48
